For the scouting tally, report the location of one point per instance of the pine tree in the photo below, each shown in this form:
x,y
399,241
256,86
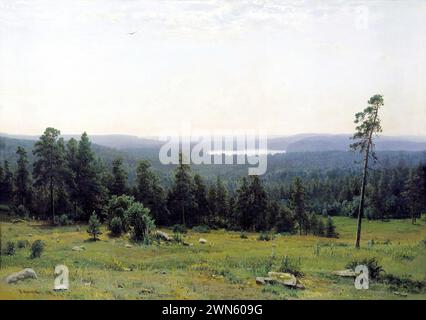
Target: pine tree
x,y
330,231
201,199
258,204
49,165
6,183
413,195
368,123
222,203
298,203
181,196
22,179
242,205
150,193
118,184
94,228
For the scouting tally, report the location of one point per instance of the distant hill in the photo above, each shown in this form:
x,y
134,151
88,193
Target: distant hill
x,y
294,143
341,142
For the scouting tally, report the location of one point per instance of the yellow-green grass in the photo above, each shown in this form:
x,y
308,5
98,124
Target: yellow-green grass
x,y
224,268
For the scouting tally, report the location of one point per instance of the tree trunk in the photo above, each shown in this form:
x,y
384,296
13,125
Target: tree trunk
x,y
52,202
361,204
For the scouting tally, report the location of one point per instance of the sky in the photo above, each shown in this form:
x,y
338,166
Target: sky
x,y
146,67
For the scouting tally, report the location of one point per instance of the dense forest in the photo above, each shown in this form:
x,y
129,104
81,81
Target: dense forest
x,y
72,180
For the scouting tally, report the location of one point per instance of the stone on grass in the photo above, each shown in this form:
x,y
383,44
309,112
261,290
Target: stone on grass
x,y
21,275
128,245
202,241
78,248
163,235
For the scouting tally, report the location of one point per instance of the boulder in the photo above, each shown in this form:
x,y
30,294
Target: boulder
x,y
260,280
128,245
78,248
163,235
202,241
21,275
286,279
345,273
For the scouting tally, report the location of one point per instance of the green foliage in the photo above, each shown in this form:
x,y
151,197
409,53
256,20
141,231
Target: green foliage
x,y
405,283
243,235
10,248
116,226
264,237
373,265
298,205
21,211
179,228
94,228
118,183
330,231
288,265
141,222
201,228
117,207
37,249
22,190
22,244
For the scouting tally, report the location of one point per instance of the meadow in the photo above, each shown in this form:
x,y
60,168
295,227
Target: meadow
x,y
223,268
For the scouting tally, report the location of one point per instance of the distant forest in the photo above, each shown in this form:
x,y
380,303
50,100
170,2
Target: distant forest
x,y
70,180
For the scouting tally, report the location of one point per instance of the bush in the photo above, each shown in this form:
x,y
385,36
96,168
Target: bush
x,y
116,226
374,268
243,235
21,211
37,249
177,237
117,207
289,266
22,244
141,222
264,237
10,248
179,228
330,231
64,220
201,229
408,284
94,228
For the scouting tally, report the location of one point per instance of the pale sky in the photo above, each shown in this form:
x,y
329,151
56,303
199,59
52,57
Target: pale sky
x,y
287,66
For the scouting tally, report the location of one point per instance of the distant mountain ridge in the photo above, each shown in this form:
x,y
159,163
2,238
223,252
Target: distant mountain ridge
x,y
294,143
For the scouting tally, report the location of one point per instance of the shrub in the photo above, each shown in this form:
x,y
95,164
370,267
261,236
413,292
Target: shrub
x,y
179,228
117,207
330,231
37,249
10,248
177,237
22,244
94,228
264,237
289,266
201,228
141,222
64,220
22,211
243,235
408,284
374,268
116,226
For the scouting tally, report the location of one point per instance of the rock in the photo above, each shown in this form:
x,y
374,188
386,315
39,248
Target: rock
x,y
30,235
163,235
402,294
345,273
202,241
146,290
21,275
187,244
286,279
78,248
260,280
128,245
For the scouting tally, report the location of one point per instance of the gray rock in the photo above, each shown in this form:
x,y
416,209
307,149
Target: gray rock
x,y
163,235
283,278
78,248
21,275
128,245
202,241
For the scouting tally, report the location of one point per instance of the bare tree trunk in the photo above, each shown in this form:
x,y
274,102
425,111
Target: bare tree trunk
x,y
361,204
52,202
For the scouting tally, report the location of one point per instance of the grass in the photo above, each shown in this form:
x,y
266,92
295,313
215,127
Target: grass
x,y
223,268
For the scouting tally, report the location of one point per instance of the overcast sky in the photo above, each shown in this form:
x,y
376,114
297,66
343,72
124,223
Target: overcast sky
x,y
142,67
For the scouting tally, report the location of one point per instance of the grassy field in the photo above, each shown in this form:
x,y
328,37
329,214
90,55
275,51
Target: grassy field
x,y
223,268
